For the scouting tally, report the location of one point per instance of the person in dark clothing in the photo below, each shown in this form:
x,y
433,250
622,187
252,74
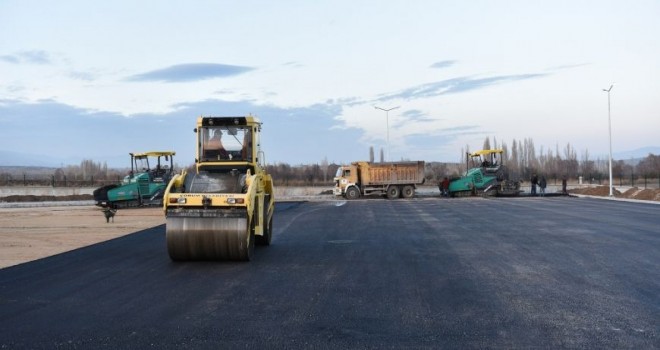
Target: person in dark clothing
x,y
542,184
563,185
444,187
535,181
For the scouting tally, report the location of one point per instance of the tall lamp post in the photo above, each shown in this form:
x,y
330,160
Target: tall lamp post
x,y
609,123
387,118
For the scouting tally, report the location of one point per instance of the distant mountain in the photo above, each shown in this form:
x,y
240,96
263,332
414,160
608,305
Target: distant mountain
x,y
18,171
639,153
8,158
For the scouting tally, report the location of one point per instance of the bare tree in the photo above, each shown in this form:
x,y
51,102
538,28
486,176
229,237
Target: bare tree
x,y
587,166
505,149
649,166
324,169
515,163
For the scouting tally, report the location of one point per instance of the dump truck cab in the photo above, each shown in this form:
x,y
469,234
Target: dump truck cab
x,y
346,177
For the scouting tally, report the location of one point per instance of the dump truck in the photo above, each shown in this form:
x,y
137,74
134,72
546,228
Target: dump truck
x,y
485,175
392,179
225,206
143,186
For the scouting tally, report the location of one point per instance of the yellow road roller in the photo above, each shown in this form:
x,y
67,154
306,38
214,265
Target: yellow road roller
x,y
225,207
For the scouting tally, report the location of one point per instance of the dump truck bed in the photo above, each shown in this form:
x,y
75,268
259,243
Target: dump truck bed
x,y
391,173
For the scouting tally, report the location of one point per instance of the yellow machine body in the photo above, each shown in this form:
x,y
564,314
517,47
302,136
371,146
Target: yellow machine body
x,y
225,207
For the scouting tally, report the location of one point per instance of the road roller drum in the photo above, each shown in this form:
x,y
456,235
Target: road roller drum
x,y
191,238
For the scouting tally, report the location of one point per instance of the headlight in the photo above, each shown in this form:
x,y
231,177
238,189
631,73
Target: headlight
x,y
180,200
232,200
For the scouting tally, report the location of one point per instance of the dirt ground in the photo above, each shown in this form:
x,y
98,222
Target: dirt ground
x,y
632,193
31,233
28,234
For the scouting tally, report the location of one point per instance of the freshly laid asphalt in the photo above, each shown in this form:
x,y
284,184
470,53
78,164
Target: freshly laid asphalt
x,y
422,273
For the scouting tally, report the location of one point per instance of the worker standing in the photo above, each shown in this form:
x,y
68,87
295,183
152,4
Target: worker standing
x,y
444,187
535,181
542,184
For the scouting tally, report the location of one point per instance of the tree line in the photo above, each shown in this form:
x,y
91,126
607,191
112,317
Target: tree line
x,y
521,159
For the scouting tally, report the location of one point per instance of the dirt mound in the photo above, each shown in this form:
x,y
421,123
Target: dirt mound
x,y
646,194
31,198
632,193
595,191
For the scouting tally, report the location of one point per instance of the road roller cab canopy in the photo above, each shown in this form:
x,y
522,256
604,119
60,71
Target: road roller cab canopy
x,y
227,140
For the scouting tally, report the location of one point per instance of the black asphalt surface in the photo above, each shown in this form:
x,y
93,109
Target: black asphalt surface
x,y
422,273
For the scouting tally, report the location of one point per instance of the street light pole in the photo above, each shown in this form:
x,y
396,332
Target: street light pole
x,y
387,119
609,123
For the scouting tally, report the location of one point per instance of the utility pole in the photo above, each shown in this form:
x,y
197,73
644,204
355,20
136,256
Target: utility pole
x,y
387,119
609,123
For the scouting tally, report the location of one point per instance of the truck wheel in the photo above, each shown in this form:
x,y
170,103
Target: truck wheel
x,y
352,193
408,191
393,192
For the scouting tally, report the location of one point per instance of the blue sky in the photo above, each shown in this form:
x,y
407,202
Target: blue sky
x,y
96,80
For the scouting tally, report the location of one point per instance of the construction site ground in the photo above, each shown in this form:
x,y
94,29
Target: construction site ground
x,y
428,273
34,227
38,225
28,234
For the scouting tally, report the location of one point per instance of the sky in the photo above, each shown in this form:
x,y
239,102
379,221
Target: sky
x,y
97,80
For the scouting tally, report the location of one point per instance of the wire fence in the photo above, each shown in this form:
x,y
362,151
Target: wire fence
x,y
52,181
630,180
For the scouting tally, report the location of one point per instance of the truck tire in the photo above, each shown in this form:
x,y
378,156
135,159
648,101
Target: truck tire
x,y
352,193
408,191
393,192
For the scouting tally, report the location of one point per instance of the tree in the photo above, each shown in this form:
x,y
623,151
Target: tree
x,y
515,164
587,166
486,143
324,168
382,155
435,171
649,166
506,157
371,154
569,165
